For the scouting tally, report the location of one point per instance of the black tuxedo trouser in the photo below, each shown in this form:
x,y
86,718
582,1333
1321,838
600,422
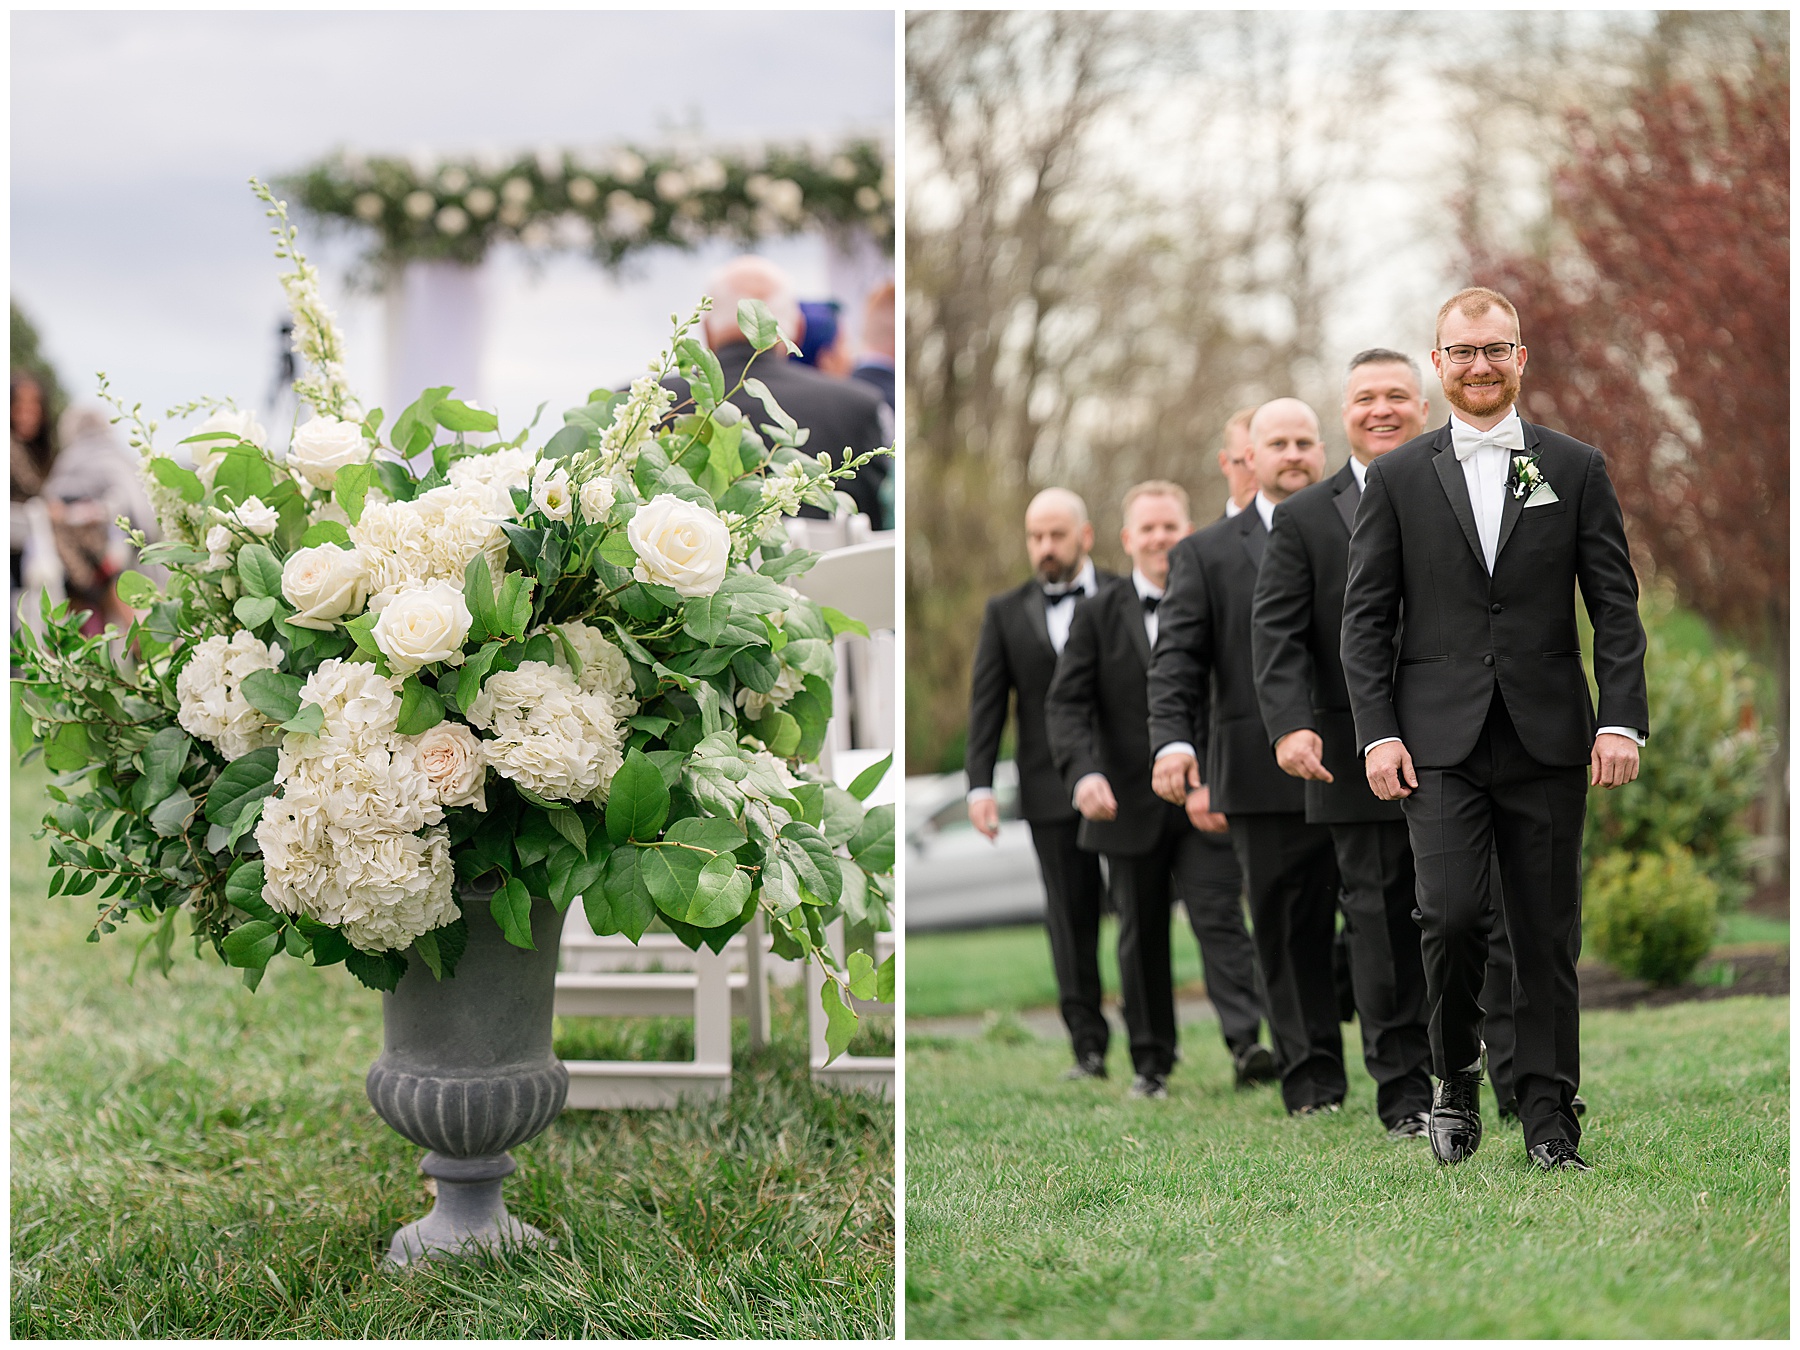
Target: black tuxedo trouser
x,y
1497,1001
1531,815
1291,873
1188,865
1375,862
1072,895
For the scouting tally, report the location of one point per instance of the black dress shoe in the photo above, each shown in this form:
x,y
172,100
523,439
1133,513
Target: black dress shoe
x,y
1254,1064
1149,1085
1090,1065
1318,1109
1557,1155
1454,1126
1414,1125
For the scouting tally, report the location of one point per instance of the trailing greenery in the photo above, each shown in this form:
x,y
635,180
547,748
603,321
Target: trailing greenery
x,y
1037,1208
612,203
161,1188
1650,915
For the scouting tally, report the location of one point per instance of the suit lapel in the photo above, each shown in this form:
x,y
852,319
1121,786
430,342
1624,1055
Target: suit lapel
x,y
1456,488
1255,537
1511,508
1032,599
1133,619
1346,497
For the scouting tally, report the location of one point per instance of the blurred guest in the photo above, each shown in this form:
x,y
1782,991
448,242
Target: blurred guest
x,y
1234,462
94,483
33,452
824,347
840,414
1023,632
875,365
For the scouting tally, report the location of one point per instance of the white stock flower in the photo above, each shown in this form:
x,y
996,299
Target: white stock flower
x,y
323,584
253,516
325,445
597,498
452,758
422,626
550,489
679,544
243,425
210,704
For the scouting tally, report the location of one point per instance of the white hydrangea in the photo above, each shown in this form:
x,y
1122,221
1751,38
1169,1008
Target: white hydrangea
x,y
549,736
211,704
787,684
361,707
495,474
603,666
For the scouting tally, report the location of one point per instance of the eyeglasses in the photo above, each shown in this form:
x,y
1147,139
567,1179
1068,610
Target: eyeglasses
x,y
1497,352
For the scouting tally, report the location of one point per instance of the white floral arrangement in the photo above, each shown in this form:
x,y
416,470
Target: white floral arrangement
x,y
566,669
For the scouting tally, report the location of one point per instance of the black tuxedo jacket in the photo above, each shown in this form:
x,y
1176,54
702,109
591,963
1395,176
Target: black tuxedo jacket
x,y
1415,541
838,413
1098,719
1013,656
1202,685
1296,626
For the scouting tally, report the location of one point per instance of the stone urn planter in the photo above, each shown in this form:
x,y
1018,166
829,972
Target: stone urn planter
x,y
467,1071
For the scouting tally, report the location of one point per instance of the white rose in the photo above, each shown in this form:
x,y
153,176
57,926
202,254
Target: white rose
x,y
325,445
243,425
253,516
422,626
550,490
597,497
452,758
679,544
323,584
218,543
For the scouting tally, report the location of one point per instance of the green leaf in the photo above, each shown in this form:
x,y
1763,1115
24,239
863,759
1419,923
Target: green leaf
x,y
861,969
326,532
243,783
67,748
396,481
638,801
351,487
164,759
568,824
442,948
362,632
309,721
513,609
757,324
842,623
251,945
377,970
705,366
184,481
474,671
812,858
243,473
622,903
137,590
415,427
790,563
715,834
571,874
873,846
329,945
843,816
172,814
511,908
253,611
452,414
783,420
478,592
780,732
274,695
568,441
840,1022
421,709
866,782
884,981
246,818
259,571
244,888
616,549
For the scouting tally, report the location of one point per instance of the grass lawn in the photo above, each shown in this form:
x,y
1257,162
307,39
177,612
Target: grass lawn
x,y
1037,1208
192,1160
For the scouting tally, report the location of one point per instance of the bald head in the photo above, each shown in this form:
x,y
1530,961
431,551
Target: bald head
x,y
750,277
1058,535
1286,449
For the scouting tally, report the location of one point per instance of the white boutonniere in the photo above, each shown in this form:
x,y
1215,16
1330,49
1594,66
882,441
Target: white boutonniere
x,y
1527,476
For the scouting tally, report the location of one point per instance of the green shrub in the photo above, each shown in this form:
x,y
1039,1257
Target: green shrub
x,y
1702,767
1651,915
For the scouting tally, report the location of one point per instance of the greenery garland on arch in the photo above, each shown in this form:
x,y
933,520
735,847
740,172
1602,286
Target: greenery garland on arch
x,y
611,203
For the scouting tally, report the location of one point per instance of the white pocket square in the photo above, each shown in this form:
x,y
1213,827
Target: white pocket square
x,y
1543,496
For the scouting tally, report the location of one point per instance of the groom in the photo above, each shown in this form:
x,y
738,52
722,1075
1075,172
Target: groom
x,y
1482,530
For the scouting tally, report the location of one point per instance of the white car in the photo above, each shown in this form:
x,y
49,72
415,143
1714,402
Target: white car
x,y
955,877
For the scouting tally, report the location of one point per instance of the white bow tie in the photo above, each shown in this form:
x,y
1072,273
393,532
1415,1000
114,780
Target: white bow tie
x,y
1509,435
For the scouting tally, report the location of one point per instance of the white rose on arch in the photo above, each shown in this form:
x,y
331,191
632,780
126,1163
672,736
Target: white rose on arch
x,y
680,545
325,445
423,625
324,583
243,425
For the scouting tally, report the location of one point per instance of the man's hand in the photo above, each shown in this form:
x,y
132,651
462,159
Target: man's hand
x,y
1173,776
1301,754
1614,762
1390,771
1094,798
1200,813
984,815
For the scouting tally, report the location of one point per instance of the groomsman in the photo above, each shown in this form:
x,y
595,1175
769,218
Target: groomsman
x,y
1099,733
1204,711
1481,532
1023,631
1234,462
1296,626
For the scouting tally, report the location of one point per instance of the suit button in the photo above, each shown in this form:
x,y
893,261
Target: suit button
x,y
1487,660
1495,608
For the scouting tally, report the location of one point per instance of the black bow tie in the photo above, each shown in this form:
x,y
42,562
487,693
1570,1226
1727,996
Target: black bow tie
x,y
1054,598
1150,602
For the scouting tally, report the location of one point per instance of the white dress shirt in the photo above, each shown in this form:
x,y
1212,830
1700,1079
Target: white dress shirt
x,y
1231,508
1265,508
1360,472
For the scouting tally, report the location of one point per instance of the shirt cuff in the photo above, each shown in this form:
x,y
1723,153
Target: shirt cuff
x,y
1385,740
1075,795
980,795
1176,748
1622,731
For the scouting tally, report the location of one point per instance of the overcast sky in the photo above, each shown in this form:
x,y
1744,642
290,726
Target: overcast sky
x,y
138,249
